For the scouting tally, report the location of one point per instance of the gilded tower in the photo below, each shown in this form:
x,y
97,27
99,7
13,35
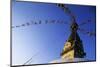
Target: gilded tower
x,y
73,47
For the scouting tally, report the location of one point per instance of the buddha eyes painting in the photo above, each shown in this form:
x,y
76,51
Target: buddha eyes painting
x,y
52,33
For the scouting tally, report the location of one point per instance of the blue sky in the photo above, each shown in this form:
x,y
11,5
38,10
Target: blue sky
x,y
45,41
